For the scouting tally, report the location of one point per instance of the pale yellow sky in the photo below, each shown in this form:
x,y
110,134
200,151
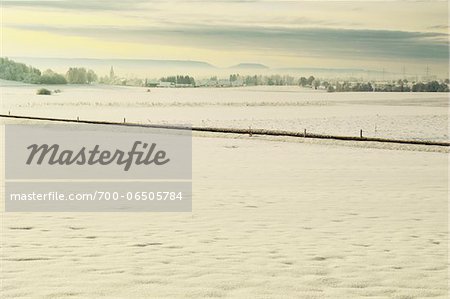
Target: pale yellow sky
x,y
331,34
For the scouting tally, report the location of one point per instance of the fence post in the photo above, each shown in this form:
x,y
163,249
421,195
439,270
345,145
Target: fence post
x,y
124,120
360,134
78,118
304,133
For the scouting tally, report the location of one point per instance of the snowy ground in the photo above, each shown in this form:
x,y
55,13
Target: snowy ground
x,y
390,115
272,217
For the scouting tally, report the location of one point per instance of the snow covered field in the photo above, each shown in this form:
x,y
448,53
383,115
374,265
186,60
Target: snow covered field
x,y
272,217
389,115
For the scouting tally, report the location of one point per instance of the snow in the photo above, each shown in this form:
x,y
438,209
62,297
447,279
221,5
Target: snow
x,y
272,217
388,115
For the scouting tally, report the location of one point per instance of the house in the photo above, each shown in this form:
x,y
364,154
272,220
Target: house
x,y
184,85
165,84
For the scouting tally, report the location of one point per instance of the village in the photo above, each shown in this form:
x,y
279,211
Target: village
x,y
407,84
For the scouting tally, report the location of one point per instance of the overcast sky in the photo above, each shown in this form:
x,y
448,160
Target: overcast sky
x,y
331,34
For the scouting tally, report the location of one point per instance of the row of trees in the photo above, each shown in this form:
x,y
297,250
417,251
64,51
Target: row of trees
x,y
400,86
306,82
273,80
312,82
432,86
50,77
80,76
16,71
179,79
346,86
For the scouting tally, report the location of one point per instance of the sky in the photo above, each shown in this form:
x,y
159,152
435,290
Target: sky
x,y
376,35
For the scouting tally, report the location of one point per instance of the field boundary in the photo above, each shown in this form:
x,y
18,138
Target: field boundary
x,y
249,131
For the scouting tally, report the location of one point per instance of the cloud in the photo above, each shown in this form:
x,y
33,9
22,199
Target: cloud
x,y
318,42
442,26
94,5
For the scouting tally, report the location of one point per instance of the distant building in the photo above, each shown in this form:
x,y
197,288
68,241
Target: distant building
x,y
151,83
184,85
165,84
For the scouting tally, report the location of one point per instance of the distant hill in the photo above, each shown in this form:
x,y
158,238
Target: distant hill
x,y
114,62
255,66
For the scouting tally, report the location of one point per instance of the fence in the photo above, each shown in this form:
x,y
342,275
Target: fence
x,y
248,131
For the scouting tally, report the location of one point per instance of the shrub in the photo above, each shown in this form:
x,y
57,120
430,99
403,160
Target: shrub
x,y
43,91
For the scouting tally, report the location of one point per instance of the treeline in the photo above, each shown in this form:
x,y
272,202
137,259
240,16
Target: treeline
x,y
307,82
399,86
273,80
16,71
346,86
80,75
179,79
432,86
